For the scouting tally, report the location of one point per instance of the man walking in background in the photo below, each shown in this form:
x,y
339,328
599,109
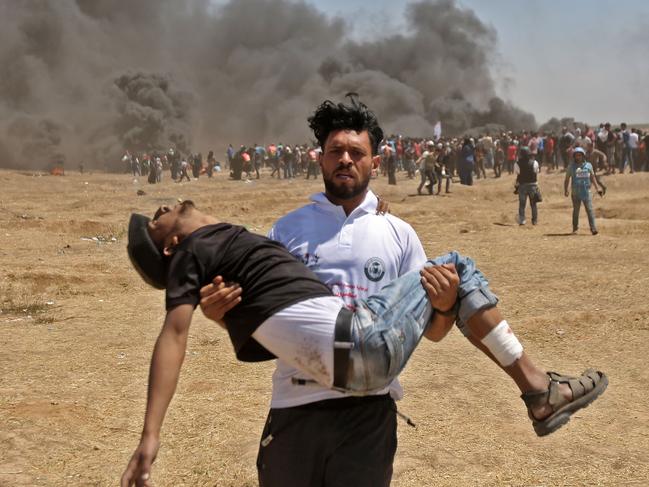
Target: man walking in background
x,y
582,175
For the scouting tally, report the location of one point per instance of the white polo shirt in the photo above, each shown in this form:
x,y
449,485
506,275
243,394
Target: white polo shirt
x,y
355,256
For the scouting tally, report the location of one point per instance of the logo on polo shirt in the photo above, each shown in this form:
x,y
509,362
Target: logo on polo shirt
x,y
374,269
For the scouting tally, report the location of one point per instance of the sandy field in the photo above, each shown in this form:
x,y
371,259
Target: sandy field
x,y
78,325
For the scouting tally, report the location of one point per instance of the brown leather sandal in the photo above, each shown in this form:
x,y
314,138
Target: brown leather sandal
x,y
585,389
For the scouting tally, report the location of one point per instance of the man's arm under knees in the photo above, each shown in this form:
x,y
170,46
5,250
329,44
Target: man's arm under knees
x,y
441,283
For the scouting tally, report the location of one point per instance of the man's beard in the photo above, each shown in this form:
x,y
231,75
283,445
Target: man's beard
x,y
346,192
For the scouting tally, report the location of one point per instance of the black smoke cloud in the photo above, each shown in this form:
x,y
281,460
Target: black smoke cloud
x,y
39,138
86,79
149,112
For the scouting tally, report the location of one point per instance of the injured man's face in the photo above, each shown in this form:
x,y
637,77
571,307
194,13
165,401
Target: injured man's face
x,y
181,207
165,220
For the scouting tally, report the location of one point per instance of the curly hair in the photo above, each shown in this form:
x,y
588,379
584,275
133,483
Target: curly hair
x,y
330,116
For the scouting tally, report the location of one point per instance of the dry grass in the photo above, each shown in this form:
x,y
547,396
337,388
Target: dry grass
x,y
77,329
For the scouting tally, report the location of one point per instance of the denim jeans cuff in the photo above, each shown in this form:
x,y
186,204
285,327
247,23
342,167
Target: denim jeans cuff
x,y
477,300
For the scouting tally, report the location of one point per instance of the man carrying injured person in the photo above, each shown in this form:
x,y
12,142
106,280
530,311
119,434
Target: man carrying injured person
x,y
286,312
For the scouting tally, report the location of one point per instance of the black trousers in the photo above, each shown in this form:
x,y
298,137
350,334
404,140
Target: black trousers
x,y
334,443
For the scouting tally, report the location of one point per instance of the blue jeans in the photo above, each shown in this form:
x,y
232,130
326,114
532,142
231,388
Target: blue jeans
x,y
525,191
387,327
489,159
288,170
576,206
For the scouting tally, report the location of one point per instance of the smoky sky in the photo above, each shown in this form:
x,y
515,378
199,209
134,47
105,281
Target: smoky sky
x,y
83,80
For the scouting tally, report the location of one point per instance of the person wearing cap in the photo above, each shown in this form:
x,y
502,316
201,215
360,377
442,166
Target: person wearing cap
x,y
526,170
582,175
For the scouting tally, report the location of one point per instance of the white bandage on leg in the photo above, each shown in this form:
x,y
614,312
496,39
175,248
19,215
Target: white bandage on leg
x,y
503,344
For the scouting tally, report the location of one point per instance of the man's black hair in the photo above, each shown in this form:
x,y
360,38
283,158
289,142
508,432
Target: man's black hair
x,y
330,116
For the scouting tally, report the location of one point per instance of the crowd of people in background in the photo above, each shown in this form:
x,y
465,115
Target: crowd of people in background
x,y
152,165
469,158
434,163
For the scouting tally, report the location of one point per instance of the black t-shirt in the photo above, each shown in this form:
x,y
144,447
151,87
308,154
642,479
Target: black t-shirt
x,y
270,277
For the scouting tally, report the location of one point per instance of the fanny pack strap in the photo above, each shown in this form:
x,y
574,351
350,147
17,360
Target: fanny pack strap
x,y
342,347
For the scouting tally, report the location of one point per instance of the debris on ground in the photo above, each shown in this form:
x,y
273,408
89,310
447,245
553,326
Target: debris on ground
x,y
100,239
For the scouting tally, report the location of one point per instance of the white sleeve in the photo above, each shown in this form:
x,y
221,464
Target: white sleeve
x,y
516,168
414,256
273,233
536,166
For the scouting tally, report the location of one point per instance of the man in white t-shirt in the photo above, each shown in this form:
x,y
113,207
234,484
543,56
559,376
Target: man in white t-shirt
x,y
355,255
356,251
315,436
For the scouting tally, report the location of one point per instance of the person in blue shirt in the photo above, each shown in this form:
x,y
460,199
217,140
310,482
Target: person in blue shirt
x,y
230,154
582,174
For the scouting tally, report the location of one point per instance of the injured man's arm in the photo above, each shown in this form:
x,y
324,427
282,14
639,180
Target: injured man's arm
x,y
167,359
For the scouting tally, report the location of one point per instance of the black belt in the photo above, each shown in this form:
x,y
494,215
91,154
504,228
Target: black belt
x,y
344,402
342,347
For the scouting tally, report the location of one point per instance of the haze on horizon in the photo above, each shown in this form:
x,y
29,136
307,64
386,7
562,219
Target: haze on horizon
x,y
87,79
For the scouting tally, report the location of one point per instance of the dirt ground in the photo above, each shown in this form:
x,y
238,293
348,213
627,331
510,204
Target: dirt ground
x,y
78,325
